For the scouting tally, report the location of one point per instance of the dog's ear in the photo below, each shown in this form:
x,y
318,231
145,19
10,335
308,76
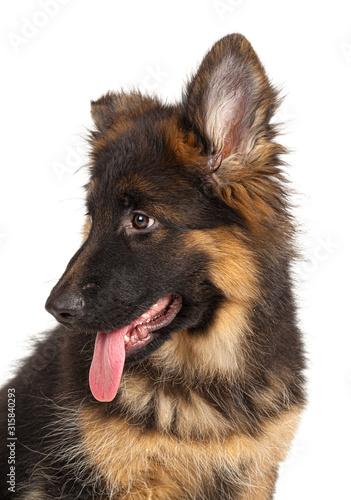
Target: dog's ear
x,y
103,111
229,101
118,110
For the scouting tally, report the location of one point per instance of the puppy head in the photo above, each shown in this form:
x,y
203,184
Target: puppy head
x,y
176,198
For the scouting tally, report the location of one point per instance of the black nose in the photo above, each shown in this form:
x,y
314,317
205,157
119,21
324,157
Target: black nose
x,y
66,307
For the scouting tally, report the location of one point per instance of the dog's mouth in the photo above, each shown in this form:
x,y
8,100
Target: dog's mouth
x,y
158,316
111,348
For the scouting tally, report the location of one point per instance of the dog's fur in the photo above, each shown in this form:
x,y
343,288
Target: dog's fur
x,y
208,409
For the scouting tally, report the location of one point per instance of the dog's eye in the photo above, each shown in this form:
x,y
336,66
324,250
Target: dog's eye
x,y
141,221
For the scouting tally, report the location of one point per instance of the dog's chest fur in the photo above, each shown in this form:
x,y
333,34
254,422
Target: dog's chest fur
x,y
170,459
139,464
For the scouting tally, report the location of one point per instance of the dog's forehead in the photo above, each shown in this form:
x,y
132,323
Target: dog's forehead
x,y
165,192
150,157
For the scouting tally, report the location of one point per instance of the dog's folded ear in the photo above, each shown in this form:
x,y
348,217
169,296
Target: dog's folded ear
x,y
103,111
115,110
230,101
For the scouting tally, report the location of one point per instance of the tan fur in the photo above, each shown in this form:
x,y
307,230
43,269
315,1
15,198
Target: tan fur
x,y
136,392
183,146
86,228
34,495
219,352
233,267
145,463
261,486
222,350
190,414
245,184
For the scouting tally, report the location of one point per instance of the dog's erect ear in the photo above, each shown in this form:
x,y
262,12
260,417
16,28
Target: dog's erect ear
x,y
230,101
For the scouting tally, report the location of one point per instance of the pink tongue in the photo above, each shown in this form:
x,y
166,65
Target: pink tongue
x,y
107,365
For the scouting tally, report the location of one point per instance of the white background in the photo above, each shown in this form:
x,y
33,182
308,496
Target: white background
x,y
88,47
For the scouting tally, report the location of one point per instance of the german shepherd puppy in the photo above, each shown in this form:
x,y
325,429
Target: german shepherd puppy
x,y
176,372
